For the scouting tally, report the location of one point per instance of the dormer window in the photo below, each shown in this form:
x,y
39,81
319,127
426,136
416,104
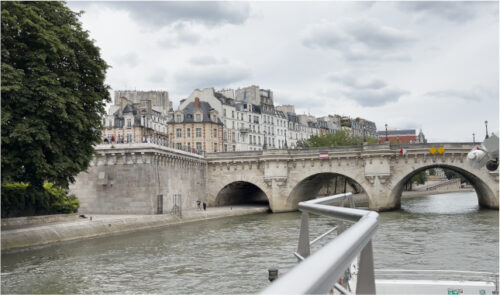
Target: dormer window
x,y
178,118
198,117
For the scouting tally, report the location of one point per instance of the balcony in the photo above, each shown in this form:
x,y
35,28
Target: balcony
x,y
244,130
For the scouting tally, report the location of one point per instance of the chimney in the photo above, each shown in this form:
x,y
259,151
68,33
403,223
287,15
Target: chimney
x,y
197,103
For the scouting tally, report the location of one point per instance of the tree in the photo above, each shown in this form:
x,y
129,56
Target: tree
x,y
419,178
339,138
53,94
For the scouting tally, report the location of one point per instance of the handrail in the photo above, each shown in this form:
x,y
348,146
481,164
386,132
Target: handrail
x,y
320,272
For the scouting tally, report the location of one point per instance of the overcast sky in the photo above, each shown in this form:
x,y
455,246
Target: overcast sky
x,y
428,65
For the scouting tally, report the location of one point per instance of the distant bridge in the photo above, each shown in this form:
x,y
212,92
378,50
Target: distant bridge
x,y
129,178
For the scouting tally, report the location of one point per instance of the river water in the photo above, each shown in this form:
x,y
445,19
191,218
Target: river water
x,y
232,255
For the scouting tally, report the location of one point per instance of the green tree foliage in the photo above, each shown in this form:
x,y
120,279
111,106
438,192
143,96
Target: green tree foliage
x,y
53,94
419,178
339,138
17,200
450,174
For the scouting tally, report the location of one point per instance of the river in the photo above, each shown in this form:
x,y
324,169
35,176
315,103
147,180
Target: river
x,y
232,255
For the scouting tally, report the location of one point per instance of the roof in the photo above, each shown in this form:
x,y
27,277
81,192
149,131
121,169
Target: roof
x,y
189,113
398,132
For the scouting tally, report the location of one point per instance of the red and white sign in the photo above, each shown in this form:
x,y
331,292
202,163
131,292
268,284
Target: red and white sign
x,y
323,155
403,152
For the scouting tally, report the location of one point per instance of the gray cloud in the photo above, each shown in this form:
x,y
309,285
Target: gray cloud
x,y
367,92
358,40
352,82
214,73
180,33
157,76
163,13
456,11
476,94
375,97
130,59
206,60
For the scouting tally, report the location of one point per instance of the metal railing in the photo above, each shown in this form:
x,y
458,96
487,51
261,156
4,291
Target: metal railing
x,y
319,273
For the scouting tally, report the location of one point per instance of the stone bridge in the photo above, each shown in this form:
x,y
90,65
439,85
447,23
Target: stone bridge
x,y
141,178
287,177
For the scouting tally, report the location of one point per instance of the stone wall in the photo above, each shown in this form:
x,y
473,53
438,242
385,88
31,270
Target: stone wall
x,y
128,180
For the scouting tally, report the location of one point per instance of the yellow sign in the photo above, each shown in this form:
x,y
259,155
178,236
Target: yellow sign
x,y
441,150
432,150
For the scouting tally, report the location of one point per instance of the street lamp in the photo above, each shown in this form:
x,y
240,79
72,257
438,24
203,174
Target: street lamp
x,y
386,137
486,124
473,138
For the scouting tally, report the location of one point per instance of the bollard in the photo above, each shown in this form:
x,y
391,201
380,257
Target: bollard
x,y
273,274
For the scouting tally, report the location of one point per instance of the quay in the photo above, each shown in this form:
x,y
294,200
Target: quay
x,y
33,236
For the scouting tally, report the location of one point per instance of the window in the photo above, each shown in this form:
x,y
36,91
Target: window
x,y
178,132
178,118
215,147
198,146
110,123
233,124
129,137
225,147
198,118
259,139
215,133
198,132
224,112
103,122
232,115
249,118
234,148
189,147
188,132
129,123
178,146
224,136
233,138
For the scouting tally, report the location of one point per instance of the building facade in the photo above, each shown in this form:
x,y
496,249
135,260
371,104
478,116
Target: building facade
x,y
401,136
135,123
196,128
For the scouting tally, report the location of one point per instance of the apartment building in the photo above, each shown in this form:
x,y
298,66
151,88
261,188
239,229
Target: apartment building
x,y
196,128
132,122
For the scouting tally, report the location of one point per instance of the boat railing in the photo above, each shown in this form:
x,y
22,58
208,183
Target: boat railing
x,y
438,274
321,271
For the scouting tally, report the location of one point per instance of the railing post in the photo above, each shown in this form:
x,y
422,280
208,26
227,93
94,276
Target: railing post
x,y
304,248
366,275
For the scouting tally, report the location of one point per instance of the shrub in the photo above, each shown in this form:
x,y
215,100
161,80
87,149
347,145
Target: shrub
x,y
21,199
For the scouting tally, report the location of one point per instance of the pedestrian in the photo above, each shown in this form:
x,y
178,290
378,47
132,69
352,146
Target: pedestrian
x,y
198,203
204,206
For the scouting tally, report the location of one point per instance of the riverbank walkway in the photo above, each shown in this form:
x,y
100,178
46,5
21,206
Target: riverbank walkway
x,y
39,235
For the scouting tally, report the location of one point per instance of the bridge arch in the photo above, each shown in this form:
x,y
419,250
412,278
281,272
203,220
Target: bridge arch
x,y
240,192
309,187
483,191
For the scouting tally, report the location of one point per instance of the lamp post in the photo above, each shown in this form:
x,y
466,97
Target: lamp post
x,y
486,124
386,137
473,138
